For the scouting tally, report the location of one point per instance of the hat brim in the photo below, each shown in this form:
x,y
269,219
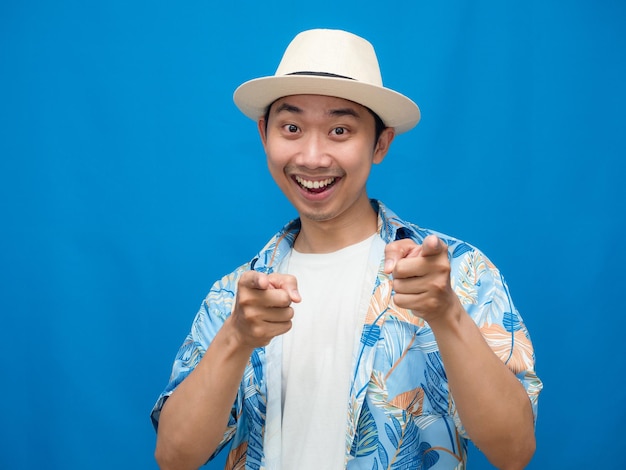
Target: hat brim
x,y
395,109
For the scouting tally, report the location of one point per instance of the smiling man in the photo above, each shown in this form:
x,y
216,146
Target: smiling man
x,y
354,339
320,150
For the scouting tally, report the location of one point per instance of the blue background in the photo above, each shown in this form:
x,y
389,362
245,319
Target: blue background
x,y
129,182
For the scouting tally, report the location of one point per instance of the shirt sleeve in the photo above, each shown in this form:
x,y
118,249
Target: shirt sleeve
x,y
485,296
214,310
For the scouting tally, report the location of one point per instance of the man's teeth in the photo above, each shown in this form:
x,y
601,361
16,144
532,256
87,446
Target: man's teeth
x,y
314,184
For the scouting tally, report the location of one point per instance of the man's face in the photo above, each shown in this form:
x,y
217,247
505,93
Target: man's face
x,y
320,150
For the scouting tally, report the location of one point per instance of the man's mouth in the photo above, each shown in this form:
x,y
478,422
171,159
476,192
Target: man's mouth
x,y
316,186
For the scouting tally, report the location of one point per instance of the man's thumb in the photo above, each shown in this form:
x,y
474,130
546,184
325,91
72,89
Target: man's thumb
x,y
432,246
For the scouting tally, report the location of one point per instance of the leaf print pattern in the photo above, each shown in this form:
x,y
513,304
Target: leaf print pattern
x,y
405,315
379,302
534,387
435,385
460,249
237,457
366,438
513,348
400,412
429,456
190,353
401,431
471,267
412,401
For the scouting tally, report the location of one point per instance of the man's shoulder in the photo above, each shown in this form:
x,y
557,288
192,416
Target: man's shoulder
x,y
393,227
264,260
231,278
397,228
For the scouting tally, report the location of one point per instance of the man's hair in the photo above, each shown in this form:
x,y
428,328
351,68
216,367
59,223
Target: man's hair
x,y
379,125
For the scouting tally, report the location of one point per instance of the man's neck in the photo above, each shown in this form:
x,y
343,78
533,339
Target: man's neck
x,y
330,236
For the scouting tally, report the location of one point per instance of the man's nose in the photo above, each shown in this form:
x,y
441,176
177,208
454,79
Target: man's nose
x,y
314,152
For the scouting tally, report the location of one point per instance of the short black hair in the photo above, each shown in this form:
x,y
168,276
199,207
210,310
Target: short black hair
x,y
379,125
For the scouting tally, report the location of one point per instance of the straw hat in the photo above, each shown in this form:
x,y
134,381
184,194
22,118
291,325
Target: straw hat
x,y
333,63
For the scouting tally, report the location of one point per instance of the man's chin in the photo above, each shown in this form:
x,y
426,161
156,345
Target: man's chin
x,y
319,215
316,216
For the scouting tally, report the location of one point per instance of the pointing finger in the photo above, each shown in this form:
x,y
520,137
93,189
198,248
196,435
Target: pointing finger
x,y
286,282
260,281
254,280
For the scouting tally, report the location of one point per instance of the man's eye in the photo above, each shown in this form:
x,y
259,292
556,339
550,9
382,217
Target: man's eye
x,y
291,128
339,130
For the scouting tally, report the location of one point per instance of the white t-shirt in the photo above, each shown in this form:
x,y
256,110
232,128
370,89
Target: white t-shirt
x,y
317,355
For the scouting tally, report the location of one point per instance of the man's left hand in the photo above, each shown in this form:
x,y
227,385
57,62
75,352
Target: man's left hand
x,y
421,277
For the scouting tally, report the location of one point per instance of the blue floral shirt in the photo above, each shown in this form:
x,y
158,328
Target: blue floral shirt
x,y
401,414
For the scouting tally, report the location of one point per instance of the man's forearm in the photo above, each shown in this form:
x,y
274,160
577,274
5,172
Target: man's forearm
x,y
492,404
195,416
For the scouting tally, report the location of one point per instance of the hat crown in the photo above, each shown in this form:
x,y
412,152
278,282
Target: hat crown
x,y
335,52
334,63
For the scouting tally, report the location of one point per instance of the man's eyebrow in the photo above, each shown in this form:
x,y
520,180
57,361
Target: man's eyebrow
x,y
289,108
337,112
344,112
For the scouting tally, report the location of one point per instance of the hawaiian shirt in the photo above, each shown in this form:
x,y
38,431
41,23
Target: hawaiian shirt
x,y
400,411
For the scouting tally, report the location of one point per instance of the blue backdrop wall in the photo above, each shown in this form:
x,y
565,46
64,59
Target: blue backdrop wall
x,y
123,160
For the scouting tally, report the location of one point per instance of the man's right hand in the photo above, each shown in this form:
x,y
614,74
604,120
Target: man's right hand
x,y
195,416
263,307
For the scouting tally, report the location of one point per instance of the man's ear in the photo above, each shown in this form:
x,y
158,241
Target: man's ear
x,y
262,127
383,144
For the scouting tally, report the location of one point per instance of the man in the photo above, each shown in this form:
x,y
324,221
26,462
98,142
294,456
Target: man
x,y
354,339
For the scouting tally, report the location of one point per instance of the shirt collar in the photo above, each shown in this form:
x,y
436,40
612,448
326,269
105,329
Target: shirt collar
x,y
390,228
